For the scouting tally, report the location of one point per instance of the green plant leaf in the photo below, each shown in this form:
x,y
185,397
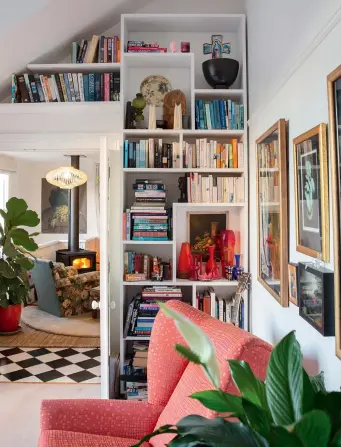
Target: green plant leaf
x,y
308,398
330,403
336,442
24,262
220,401
257,418
185,441
220,433
249,385
317,383
17,214
280,437
314,429
160,431
187,354
284,381
6,270
21,237
9,249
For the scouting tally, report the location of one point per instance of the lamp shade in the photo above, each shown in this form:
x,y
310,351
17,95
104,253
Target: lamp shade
x,y
66,177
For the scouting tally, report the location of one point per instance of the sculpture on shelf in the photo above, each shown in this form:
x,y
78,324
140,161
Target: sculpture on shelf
x,y
217,47
152,118
171,99
139,104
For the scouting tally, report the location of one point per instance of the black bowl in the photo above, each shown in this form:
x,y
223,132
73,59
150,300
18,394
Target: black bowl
x,y
220,73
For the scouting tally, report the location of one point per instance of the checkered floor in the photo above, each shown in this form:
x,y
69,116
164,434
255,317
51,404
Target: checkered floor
x,y
63,365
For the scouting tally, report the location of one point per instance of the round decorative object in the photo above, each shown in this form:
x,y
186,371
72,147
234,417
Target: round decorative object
x,y
66,177
171,99
220,73
154,88
139,104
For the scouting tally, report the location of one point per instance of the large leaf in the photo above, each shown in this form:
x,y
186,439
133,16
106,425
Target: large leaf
x,y
331,404
160,431
187,354
17,214
284,381
336,442
9,249
186,441
220,401
28,218
308,398
219,432
314,429
6,270
24,262
280,437
317,383
249,385
21,237
257,418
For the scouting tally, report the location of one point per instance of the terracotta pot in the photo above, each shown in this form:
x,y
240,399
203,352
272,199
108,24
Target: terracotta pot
x,y
10,318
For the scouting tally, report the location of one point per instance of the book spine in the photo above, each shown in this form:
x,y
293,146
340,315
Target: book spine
x,y
67,87
126,154
97,87
86,87
91,86
43,87
111,86
23,89
102,86
116,86
75,86
105,49
81,87
107,85
110,49
124,235
55,86
59,88
39,88
128,214
118,57
33,88
72,89
28,87
74,52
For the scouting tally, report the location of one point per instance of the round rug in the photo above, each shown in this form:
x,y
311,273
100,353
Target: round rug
x,y
77,326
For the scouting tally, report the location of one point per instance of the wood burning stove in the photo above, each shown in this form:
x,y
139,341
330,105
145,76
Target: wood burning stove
x,y
83,260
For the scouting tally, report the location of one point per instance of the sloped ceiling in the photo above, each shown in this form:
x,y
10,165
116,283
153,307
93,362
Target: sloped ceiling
x,y
41,30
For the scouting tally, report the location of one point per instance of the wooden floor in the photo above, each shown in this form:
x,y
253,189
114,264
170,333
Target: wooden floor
x,y
31,338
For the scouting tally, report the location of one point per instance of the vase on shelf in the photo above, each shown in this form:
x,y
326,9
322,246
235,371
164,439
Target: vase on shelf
x,y
236,268
185,261
211,264
139,104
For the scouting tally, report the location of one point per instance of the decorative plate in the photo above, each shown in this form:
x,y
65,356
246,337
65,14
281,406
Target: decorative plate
x,y
154,88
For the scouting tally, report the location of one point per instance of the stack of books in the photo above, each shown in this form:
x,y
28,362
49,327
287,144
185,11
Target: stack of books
x,y
226,310
151,154
204,300
219,114
211,189
140,267
66,87
144,308
98,49
137,390
148,219
211,154
139,46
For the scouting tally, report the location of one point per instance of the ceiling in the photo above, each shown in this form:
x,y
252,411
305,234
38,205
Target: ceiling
x,y
50,156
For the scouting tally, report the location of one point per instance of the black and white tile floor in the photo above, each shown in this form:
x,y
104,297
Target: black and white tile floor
x,y
52,365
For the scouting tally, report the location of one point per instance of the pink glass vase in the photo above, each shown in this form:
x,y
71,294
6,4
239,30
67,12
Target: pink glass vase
x,y
211,264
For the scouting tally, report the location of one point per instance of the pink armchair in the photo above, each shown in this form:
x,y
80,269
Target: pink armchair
x,y
171,379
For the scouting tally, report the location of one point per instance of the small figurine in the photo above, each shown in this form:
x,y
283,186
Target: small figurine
x,y
172,46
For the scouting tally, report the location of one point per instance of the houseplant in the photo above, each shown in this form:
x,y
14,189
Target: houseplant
x,y
15,247
290,409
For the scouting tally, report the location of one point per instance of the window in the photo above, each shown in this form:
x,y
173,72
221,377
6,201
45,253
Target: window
x,y
4,180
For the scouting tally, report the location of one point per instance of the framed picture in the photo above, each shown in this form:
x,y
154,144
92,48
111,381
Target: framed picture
x,y
272,211
203,230
334,106
292,276
316,297
311,193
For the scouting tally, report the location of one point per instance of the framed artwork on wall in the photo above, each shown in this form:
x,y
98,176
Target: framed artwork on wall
x,y
272,211
292,275
311,193
334,106
316,297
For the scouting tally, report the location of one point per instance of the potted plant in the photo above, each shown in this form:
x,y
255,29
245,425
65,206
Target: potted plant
x,y
289,409
15,260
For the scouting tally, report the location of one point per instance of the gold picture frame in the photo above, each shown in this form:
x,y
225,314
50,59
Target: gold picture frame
x,y
272,211
332,79
311,193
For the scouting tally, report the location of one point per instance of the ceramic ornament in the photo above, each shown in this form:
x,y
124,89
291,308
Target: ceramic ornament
x,y
152,117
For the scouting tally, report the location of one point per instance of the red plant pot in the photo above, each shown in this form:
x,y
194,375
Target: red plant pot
x,y
10,318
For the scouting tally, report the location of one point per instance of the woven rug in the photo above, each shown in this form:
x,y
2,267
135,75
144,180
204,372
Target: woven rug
x,y
31,338
76,326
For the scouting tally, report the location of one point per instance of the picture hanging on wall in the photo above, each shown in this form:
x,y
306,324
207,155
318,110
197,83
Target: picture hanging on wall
x,y
334,103
292,275
311,193
272,214
55,208
316,297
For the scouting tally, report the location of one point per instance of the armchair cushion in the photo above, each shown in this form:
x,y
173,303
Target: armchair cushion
x,y
114,418
60,438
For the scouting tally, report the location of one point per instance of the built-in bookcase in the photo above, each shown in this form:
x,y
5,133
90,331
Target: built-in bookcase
x,y
184,72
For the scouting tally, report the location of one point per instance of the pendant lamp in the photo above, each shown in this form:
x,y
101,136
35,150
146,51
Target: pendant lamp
x,y
66,177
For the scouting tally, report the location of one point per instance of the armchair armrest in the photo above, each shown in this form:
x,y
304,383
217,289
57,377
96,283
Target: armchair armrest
x,y
121,418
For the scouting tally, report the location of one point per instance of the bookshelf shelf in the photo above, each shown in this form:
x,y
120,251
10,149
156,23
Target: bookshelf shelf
x,y
210,93
74,68
148,242
181,170
158,60
220,133
209,205
146,133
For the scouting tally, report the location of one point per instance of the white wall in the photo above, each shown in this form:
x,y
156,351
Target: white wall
x,y
278,34
26,184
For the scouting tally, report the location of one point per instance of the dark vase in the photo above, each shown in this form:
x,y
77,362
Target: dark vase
x,y
220,73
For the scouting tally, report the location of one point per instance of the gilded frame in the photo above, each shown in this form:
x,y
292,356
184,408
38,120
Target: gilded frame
x,y
332,77
320,131
281,128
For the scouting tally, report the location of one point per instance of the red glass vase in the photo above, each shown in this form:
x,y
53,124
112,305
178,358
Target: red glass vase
x,y
185,261
211,265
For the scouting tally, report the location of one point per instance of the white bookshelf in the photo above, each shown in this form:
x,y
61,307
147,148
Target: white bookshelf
x,y
184,72
74,68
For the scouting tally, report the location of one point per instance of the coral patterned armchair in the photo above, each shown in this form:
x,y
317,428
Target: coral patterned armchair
x,y
61,291
171,379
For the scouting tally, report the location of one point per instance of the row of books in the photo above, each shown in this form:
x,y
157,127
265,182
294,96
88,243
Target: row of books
x,y
144,307
139,46
66,87
137,362
268,155
99,49
210,189
219,114
141,267
269,188
151,153
211,154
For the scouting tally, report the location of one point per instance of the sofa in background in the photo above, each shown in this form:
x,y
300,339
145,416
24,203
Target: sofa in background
x,y
61,291
171,379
